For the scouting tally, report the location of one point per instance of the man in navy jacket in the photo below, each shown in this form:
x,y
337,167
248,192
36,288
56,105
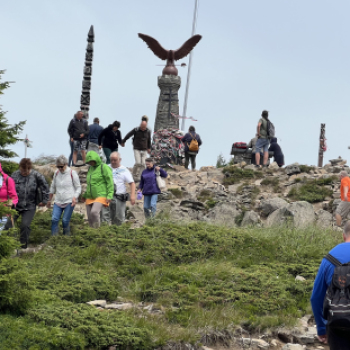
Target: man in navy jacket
x,y
190,155
336,339
95,131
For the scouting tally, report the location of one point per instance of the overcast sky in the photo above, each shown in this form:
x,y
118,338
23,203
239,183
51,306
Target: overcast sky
x,y
289,57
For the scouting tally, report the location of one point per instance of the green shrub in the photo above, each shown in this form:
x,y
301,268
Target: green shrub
x,y
9,167
272,181
205,195
306,168
176,192
311,191
234,174
210,203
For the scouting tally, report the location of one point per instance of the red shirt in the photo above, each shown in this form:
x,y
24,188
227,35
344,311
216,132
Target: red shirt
x,y
345,182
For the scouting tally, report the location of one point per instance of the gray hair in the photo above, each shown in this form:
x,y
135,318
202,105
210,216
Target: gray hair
x,y
343,173
115,153
346,229
61,160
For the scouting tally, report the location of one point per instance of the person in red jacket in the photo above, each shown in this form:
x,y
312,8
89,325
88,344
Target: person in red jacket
x,y
343,208
7,189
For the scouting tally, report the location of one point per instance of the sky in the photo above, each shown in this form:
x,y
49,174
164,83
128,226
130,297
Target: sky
x,y
289,57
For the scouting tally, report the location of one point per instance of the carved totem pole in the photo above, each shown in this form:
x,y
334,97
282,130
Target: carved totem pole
x,y
169,83
322,145
85,95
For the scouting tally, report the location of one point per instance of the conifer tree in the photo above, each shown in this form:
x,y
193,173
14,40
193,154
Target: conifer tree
x,y
9,134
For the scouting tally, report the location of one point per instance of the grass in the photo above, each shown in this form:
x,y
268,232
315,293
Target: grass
x,y
313,191
235,175
251,190
306,168
205,278
274,182
176,192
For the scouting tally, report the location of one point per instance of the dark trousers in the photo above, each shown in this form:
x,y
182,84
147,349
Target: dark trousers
x,y
108,152
338,339
27,218
190,157
70,161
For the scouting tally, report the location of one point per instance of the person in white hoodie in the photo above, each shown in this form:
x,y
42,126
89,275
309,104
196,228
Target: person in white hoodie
x,y
66,186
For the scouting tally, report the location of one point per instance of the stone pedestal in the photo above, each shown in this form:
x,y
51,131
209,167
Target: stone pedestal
x,y
168,102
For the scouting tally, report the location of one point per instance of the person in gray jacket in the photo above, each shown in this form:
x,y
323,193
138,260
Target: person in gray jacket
x,y
32,189
66,186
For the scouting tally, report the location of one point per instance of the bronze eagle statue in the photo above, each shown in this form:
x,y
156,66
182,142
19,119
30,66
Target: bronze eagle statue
x,y
170,55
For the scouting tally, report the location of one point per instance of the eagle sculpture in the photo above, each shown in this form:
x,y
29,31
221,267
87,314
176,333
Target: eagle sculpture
x,y
170,55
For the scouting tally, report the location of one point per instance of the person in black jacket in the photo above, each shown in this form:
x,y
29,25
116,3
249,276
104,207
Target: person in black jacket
x,y
278,155
27,183
78,131
111,136
191,155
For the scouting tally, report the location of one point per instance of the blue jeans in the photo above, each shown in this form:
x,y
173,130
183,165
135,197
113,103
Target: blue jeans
x,y
56,216
150,205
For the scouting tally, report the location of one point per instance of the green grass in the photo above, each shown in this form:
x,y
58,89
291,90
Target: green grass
x,y
274,182
235,175
306,168
176,192
203,277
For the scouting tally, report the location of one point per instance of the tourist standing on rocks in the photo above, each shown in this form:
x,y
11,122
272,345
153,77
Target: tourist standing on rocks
x,y
78,130
343,208
94,132
32,189
338,338
111,136
262,144
278,155
99,190
66,186
149,188
141,140
121,175
192,142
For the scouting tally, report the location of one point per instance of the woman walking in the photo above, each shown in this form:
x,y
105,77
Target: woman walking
x,y
149,188
111,136
32,189
100,188
66,186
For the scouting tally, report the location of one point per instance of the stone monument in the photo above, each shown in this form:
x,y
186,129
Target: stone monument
x,y
169,82
85,95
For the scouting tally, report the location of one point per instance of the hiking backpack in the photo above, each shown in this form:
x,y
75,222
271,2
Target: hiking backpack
x,y
271,131
242,145
193,146
336,305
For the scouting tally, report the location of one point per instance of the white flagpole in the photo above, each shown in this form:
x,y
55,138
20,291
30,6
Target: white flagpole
x,y
25,147
194,23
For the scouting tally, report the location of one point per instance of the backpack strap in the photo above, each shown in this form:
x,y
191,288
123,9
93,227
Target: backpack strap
x,y
333,260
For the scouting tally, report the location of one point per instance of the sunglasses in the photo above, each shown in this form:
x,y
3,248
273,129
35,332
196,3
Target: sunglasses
x,y
60,166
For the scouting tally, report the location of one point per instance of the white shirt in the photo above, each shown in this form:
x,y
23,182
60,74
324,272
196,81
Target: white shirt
x,y
121,176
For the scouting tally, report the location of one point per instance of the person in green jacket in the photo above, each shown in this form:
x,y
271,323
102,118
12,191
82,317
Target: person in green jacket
x,y
100,188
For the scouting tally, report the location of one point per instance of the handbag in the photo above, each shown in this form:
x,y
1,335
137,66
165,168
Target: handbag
x,y
160,181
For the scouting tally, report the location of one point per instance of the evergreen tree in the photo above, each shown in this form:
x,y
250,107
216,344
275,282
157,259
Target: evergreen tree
x,y
9,134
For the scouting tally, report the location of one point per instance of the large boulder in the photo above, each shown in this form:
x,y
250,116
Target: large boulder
x,y
250,218
268,206
223,213
323,218
292,169
297,214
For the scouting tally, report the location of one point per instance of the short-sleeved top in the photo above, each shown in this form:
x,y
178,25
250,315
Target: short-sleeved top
x,y
121,176
263,128
345,182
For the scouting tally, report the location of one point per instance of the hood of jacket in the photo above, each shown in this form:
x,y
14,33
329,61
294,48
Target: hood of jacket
x,y
273,140
93,156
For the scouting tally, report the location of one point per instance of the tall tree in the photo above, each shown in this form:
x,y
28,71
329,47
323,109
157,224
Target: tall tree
x,y
9,134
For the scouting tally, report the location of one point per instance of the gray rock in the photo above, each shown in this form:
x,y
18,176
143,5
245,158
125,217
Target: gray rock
x,y
259,343
292,169
224,213
101,303
297,214
293,347
324,218
268,206
192,205
251,218
300,278
119,306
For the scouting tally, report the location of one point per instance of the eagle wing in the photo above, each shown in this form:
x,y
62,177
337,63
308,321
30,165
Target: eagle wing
x,y
187,47
154,45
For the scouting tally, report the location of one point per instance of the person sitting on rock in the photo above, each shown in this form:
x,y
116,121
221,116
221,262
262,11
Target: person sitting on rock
x,y
278,155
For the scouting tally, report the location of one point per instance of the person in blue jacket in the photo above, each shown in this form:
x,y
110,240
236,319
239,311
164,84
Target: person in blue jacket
x,y
337,340
278,155
191,155
149,188
95,131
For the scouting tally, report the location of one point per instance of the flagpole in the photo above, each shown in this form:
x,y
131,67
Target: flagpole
x,y
25,147
194,23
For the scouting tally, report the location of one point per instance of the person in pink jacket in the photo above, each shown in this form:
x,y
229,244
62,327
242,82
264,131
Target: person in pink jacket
x,y
7,189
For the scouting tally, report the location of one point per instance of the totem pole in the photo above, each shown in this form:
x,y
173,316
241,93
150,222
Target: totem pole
x,y
85,94
322,145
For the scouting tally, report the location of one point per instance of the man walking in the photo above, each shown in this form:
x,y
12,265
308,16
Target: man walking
x,y
262,144
78,131
141,141
121,175
94,132
192,141
343,208
337,338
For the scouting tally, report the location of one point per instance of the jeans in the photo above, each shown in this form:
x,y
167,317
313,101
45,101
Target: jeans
x,y
262,145
114,213
338,339
27,217
190,157
71,144
150,205
56,216
108,152
140,156
93,212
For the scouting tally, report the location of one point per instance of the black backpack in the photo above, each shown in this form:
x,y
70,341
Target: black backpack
x,y
336,305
